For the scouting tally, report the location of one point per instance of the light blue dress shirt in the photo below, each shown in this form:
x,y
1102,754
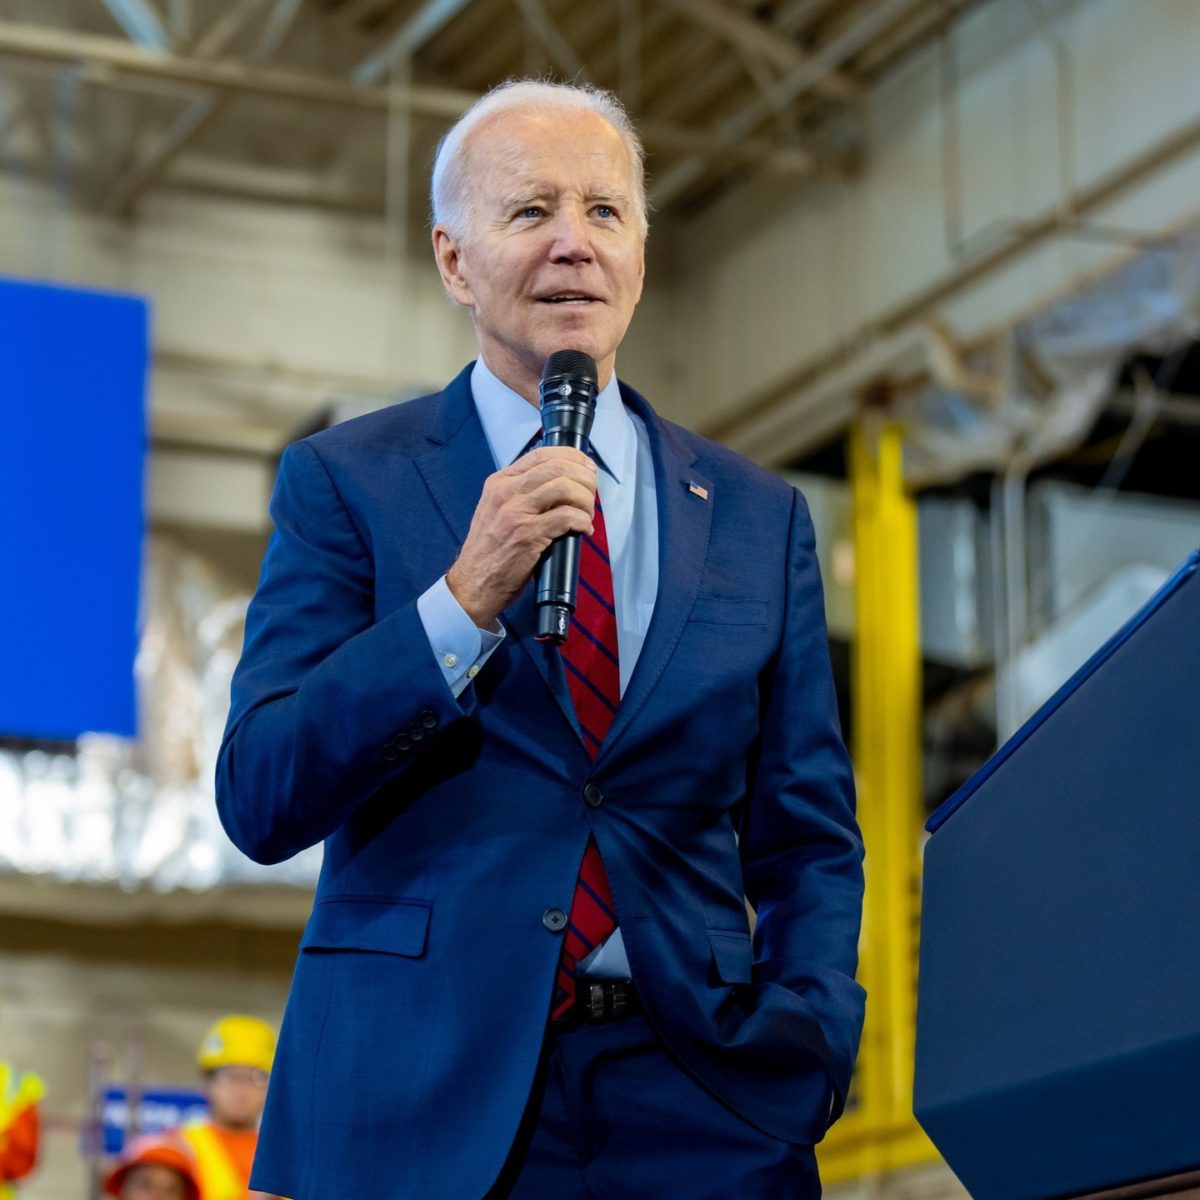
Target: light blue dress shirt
x,y
626,485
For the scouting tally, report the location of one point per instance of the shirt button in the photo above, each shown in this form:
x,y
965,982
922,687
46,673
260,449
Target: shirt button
x,y
554,920
593,796
428,718
472,672
450,661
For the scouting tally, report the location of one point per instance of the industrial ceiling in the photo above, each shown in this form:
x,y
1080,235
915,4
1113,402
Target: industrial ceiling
x,y
339,103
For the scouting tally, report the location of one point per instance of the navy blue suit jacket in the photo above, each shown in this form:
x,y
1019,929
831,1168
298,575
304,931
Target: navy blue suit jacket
x,y
451,826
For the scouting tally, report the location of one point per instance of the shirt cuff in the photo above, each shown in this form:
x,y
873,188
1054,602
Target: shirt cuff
x,y
459,645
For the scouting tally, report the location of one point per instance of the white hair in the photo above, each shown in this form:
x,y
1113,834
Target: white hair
x,y
448,192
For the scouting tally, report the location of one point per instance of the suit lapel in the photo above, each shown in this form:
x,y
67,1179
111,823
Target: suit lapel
x,y
685,501
459,458
455,468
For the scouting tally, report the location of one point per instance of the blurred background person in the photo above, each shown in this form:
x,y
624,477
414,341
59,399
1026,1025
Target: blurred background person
x,y
235,1058
156,1167
20,1125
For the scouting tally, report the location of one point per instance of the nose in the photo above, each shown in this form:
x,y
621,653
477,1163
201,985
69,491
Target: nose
x,y
572,240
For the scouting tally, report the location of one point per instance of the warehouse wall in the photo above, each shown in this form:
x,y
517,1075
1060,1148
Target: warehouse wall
x,y
773,275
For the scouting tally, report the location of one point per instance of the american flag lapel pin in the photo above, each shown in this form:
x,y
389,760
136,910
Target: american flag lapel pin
x,y
697,490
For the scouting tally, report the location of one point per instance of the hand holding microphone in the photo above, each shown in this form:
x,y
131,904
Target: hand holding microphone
x,y
543,496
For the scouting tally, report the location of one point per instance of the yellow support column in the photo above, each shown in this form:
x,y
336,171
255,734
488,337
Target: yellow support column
x,y
881,1133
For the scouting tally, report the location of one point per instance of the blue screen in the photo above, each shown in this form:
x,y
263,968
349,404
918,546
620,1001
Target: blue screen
x,y
72,447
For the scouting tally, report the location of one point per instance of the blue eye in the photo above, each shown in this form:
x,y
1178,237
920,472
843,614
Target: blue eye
x,y
605,211
531,210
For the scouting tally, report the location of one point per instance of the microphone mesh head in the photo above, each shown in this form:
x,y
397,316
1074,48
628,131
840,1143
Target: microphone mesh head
x,y
570,362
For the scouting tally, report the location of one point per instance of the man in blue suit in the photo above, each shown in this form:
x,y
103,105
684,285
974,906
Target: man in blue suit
x,y
529,970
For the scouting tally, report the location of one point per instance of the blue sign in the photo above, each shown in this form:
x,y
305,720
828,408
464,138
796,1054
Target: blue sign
x,y
73,370
158,1110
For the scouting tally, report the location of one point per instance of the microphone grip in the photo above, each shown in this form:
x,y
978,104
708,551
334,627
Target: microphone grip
x,y
557,576
558,572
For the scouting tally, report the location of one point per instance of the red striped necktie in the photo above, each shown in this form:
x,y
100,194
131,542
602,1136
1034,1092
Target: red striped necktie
x,y
594,681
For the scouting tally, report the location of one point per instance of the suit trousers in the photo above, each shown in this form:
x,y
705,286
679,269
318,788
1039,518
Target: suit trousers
x,y
612,1116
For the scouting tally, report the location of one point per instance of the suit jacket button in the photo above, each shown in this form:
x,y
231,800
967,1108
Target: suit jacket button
x,y
593,796
554,920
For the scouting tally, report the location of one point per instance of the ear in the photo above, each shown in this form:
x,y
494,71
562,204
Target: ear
x,y
449,255
641,271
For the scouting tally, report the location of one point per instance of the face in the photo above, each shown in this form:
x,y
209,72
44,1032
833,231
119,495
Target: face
x,y
153,1181
236,1096
553,254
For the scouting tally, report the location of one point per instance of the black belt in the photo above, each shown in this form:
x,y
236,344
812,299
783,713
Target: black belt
x,y
600,1000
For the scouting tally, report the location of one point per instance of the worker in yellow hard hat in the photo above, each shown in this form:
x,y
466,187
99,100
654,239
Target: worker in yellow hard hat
x,y
235,1058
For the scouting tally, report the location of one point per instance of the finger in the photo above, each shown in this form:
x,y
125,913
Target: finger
x,y
565,519
543,454
558,492
542,473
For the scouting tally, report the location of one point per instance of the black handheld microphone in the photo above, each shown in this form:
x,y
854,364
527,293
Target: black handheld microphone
x,y
568,392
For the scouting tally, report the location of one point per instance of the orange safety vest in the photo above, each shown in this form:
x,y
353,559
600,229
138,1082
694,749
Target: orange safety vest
x,y
219,1178
20,1126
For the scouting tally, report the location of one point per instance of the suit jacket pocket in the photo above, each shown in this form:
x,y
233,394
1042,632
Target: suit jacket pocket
x,y
732,955
379,924
723,610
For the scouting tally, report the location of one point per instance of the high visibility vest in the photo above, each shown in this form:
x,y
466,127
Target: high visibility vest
x,y
20,1093
218,1179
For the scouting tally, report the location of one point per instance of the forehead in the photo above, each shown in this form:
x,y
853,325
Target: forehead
x,y
559,147
155,1173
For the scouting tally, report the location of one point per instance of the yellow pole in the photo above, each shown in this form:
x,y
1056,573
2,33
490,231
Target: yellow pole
x,y
886,670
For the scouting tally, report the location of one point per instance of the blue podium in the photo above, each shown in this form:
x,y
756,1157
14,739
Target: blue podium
x,y
1058,1025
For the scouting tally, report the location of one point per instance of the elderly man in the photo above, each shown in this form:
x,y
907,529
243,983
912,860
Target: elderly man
x,y
529,970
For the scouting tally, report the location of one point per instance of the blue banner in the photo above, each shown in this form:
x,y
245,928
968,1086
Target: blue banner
x,y
158,1110
73,368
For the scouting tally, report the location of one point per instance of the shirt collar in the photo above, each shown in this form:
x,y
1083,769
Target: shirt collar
x,y
510,422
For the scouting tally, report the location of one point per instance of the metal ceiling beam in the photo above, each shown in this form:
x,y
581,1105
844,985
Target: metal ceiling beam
x,y
789,19
763,41
122,198
759,152
281,186
224,28
140,22
179,21
661,134
420,28
794,84
110,58
551,39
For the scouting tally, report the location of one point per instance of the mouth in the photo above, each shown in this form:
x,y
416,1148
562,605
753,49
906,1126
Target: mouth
x,y
569,298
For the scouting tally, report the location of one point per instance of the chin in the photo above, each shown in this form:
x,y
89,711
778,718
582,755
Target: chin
x,y
567,338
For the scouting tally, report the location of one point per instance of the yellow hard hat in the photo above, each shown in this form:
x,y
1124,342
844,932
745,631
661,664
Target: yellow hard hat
x,y
238,1041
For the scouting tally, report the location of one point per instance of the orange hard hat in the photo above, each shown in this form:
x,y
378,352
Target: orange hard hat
x,y
162,1150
